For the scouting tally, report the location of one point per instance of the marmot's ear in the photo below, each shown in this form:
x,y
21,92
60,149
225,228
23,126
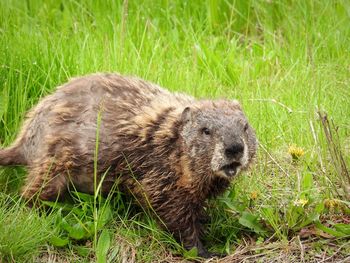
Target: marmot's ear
x,y
186,115
236,104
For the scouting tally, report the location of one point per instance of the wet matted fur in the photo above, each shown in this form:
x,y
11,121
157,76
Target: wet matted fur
x,y
168,149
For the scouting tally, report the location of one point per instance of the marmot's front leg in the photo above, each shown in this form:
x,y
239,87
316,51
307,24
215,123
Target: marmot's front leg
x,y
182,220
190,238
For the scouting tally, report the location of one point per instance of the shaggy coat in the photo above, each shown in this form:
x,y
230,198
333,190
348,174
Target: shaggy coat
x,y
168,150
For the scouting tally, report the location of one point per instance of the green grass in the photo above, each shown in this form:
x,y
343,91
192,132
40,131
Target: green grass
x,y
284,60
23,231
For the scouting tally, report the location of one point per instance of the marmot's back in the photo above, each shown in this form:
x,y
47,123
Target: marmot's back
x,y
74,109
123,93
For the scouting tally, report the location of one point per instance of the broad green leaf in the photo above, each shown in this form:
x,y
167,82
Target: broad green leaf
x,y
57,205
82,250
64,207
319,208
251,221
328,230
191,254
90,229
64,225
105,215
234,206
344,228
59,242
102,247
307,182
83,197
314,216
78,211
77,232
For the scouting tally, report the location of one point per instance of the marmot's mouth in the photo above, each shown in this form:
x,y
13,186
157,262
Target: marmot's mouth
x,y
231,169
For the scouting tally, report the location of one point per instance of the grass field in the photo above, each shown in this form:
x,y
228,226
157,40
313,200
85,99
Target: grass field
x,y
284,60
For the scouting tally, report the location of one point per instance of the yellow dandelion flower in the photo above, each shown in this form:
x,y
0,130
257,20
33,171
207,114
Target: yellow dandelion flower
x,y
331,203
295,152
254,195
301,202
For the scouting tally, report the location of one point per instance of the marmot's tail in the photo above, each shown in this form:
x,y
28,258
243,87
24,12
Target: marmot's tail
x,y
12,156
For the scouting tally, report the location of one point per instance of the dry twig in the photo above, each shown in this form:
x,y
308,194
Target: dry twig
x,y
334,148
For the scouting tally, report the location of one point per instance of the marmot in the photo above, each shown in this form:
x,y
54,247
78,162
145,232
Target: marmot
x,y
168,150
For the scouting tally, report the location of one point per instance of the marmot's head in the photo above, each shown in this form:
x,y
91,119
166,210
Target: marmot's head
x,y
218,137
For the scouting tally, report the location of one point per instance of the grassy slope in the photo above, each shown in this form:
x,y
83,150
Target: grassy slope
x,y
295,52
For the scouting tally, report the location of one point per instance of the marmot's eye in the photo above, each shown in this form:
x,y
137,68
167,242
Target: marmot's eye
x,y
246,127
206,131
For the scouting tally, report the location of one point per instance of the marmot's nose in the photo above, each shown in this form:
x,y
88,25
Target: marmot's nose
x,y
234,150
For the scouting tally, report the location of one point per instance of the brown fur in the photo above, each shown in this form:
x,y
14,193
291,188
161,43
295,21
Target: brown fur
x,y
152,140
